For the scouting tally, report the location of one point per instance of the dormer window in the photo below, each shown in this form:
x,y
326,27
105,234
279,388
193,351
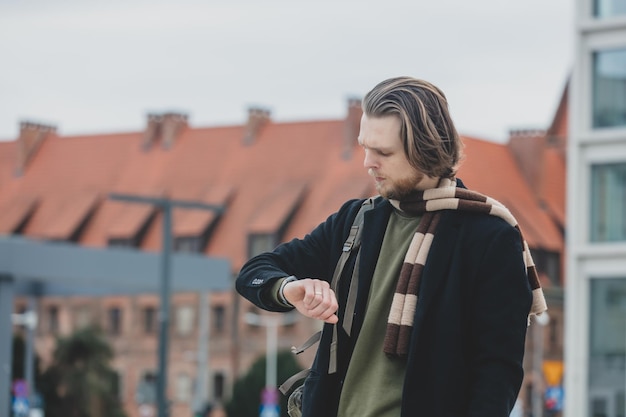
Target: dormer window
x,y
188,244
261,242
121,243
192,227
131,225
273,217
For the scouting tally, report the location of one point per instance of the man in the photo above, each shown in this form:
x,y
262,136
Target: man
x,y
440,313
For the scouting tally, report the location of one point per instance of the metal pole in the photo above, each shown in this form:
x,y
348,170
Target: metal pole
x,y
203,353
29,357
6,347
271,365
538,386
164,314
272,346
537,381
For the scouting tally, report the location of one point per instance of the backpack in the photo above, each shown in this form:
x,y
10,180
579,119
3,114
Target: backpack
x,y
352,244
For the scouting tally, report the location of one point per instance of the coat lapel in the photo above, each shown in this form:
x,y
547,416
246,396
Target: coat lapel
x,y
437,265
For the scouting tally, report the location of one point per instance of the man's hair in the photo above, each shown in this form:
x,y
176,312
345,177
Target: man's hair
x,y
431,142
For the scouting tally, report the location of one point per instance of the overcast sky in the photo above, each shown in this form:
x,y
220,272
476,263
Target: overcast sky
x,y
91,66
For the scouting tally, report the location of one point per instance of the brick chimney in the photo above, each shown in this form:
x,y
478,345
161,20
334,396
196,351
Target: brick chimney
x,y
527,147
173,125
352,125
164,127
153,130
31,137
257,119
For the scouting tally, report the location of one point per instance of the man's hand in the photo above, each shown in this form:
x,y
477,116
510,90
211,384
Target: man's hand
x,y
313,298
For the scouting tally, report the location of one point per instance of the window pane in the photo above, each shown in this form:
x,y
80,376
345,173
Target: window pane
x,y
115,321
146,388
609,88
608,202
149,319
219,318
608,8
53,319
218,385
82,316
184,320
187,245
183,388
607,347
259,243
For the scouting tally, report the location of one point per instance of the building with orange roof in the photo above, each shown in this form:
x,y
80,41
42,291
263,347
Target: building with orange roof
x,y
275,181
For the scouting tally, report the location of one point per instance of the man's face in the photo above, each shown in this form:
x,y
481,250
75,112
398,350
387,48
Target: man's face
x,y
386,161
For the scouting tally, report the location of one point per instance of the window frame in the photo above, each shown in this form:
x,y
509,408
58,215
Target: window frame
x,y
596,9
115,327
182,331
583,123
578,336
597,155
594,236
595,56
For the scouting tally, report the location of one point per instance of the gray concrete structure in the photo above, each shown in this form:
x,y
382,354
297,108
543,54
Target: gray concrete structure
x,y
47,268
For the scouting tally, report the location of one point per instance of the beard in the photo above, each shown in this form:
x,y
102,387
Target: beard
x,y
402,189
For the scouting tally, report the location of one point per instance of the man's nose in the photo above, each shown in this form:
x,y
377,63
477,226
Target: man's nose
x,y
369,161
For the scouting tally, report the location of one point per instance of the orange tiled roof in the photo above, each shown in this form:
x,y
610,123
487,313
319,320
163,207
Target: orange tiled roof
x,y
60,215
15,212
490,168
275,208
295,171
194,222
8,156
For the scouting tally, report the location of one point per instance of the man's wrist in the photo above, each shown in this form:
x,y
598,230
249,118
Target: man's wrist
x,y
281,290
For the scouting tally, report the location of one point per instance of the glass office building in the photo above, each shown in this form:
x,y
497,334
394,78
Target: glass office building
x,y
595,370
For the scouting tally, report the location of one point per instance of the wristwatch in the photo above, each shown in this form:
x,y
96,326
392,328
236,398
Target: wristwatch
x,y
281,289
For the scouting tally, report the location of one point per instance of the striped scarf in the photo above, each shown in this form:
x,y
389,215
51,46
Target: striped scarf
x,y
430,203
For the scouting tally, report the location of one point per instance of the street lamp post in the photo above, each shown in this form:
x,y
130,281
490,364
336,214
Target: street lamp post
x,y
28,320
166,206
538,389
270,393
202,356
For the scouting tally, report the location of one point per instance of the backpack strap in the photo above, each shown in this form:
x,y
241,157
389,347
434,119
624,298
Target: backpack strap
x,y
351,302
310,342
352,243
285,387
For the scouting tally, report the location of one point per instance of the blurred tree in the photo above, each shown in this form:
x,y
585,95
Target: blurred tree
x,y
246,398
80,382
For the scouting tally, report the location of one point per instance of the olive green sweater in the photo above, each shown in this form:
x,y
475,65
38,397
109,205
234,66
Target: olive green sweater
x,y
373,383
